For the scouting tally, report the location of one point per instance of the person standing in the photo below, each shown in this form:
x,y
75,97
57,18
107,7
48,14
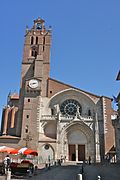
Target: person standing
x,y
7,162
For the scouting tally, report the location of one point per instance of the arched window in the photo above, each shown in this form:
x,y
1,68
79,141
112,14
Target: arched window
x,y
89,112
34,53
39,26
32,40
52,111
44,40
43,43
36,40
26,129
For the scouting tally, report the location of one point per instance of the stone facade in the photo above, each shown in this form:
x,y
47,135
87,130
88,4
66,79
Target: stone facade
x,y
54,118
116,124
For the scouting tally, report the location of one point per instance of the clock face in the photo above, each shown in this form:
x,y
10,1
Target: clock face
x,y
33,83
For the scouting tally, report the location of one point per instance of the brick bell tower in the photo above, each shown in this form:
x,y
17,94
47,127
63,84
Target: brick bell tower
x,y
34,78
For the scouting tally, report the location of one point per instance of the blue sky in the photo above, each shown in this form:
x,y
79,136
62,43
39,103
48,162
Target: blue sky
x,y
85,50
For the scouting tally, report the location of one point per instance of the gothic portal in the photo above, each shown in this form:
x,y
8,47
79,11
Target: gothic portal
x,y
56,119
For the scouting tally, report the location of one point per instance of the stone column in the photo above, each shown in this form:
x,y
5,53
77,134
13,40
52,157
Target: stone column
x,y
13,118
67,151
76,149
65,146
58,145
5,121
97,144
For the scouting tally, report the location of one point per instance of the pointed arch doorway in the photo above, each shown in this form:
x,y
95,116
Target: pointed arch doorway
x,y
77,142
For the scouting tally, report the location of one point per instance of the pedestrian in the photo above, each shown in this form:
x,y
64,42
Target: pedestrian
x,y
64,158
61,159
7,162
89,160
59,162
49,162
46,165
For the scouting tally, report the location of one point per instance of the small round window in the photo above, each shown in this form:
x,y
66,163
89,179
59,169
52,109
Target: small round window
x,y
70,107
46,147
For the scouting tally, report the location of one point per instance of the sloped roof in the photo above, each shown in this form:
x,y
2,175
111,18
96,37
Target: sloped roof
x,y
14,96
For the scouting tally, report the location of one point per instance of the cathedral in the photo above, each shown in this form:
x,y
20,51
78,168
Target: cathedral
x,y
52,117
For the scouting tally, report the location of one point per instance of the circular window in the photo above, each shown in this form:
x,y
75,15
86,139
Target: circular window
x,y
70,107
46,147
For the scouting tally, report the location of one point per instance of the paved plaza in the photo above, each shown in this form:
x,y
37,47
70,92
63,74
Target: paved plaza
x,y
90,172
59,173
70,171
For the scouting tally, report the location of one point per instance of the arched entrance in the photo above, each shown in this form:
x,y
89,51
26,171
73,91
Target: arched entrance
x,y
77,143
78,140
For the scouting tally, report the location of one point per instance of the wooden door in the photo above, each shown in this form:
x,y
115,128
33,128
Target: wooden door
x,y
72,153
81,152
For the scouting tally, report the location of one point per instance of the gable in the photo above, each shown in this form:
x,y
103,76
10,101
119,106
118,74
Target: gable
x,y
55,86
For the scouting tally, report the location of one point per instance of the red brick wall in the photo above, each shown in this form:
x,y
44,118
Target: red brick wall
x,y
110,135
55,86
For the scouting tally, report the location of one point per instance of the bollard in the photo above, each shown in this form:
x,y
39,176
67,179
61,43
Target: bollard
x,y
82,170
55,163
99,178
79,177
46,165
8,175
49,166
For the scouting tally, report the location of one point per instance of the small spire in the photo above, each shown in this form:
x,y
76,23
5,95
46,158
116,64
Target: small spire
x,y
118,76
50,28
27,29
39,18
